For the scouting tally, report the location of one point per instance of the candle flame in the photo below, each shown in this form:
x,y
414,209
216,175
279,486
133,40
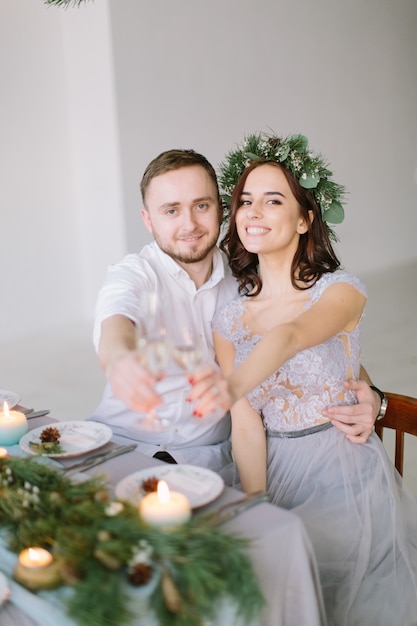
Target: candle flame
x,y
163,492
35,557
6,410
33,554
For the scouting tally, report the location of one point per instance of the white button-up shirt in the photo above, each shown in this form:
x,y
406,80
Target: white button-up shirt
x,y
189,439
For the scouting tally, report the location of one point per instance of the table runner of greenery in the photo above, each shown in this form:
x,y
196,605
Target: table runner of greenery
x,y
104,546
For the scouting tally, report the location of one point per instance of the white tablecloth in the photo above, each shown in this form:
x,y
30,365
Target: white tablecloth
x,y
280,551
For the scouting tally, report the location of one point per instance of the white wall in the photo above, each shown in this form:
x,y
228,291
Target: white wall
x,y
94,143
202,75
91,94
60,192
39,244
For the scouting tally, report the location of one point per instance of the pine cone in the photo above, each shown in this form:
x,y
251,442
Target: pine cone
x,y
150,484
139,574
50,435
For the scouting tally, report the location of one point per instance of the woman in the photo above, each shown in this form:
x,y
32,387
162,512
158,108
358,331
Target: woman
x,y
361,520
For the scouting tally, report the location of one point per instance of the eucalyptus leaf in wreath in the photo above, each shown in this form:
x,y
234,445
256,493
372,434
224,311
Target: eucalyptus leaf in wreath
x,y
309,180
293,152
335,213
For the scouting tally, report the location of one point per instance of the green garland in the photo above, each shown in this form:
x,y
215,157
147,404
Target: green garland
x,y
294,154
65,3
103,545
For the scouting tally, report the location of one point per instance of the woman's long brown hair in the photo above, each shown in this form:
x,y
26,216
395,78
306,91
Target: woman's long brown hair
x,y
314,257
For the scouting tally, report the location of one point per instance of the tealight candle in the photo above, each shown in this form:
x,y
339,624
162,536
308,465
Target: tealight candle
x,y
13,424
165,508
37,569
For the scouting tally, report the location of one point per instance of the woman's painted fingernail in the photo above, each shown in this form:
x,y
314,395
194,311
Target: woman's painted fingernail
x,y
196,414
191,380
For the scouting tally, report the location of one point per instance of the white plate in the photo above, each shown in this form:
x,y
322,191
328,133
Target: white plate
x,y
4,589
10,397
76,438
198,484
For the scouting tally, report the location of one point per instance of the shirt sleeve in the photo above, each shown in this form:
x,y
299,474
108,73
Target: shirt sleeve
x,y
121,293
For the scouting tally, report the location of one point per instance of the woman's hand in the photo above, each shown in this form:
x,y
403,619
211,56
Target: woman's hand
x,y
209,391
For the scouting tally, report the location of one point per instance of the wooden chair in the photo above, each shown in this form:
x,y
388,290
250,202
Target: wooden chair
x,y
401,416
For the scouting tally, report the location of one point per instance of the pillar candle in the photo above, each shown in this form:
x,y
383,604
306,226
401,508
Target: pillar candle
x,y
13,425
164,508
37,569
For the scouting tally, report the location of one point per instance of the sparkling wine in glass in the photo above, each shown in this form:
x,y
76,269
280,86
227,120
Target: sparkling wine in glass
x,y
187,352
187,349
188,357
155,350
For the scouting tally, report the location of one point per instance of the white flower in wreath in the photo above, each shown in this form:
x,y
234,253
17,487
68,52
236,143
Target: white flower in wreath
x,y
142,553
114,508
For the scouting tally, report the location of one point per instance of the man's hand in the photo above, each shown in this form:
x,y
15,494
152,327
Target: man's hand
x,y
131,383
122,363
356,420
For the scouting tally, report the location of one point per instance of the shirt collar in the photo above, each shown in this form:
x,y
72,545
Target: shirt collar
x,y
176,271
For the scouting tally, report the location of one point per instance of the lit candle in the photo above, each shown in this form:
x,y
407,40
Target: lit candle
x,y
37,569
165,508
35,557
13,424
3,453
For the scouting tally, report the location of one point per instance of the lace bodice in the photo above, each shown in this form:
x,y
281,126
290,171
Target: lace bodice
x,y
294,396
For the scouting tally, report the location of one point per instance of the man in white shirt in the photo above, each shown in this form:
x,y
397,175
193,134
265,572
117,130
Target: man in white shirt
x,y
182,210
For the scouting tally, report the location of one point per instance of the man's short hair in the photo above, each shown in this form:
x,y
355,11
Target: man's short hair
x,y
171,160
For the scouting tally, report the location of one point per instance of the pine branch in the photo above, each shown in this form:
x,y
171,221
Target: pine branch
x,y
97,543
65,3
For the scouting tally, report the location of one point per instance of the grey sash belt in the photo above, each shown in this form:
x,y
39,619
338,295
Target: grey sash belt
x,y
292,434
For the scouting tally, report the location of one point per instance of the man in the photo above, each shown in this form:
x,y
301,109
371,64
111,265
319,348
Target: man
x,y
182,210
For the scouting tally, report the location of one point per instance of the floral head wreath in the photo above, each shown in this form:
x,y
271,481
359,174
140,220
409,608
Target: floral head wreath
x,y
293,153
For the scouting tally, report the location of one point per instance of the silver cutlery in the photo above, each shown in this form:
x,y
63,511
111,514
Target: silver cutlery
x,y
31,414
96,459
231,509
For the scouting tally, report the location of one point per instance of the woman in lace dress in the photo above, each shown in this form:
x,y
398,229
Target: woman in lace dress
x,y
360,518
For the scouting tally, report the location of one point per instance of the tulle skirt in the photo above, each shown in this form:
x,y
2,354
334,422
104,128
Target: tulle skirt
x,y
362,522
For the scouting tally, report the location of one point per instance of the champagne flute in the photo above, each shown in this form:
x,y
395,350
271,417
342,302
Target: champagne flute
x,y
187,351
155,350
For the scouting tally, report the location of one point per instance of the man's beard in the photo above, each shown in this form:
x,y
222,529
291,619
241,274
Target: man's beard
x,y
192,256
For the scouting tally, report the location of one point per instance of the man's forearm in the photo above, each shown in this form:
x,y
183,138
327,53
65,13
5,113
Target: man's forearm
x,y
363,375
121,362
380,398
118,336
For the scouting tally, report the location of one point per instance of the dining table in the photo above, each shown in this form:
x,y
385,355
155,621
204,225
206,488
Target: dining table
x,y
278,547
